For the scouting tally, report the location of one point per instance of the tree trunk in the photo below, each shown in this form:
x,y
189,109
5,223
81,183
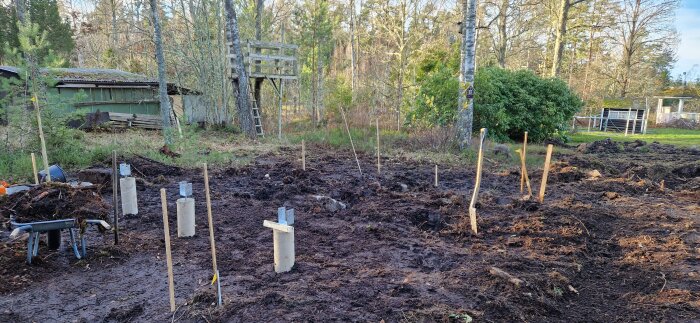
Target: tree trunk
x,y
113,38
240,84
258,82
561,33
319,88
627,65
502,33
20,8
165,109
465,116
352,48
589,61
314,76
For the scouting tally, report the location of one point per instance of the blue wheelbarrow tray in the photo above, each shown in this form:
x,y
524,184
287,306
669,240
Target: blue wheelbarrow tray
x,y
35,228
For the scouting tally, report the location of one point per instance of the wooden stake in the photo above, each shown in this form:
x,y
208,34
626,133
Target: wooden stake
x,y
475,194
546,172
436,176
179,129
168,255
342,111
115,196
523,153
378,156
211,232
36,175
524,173
303,155
44,155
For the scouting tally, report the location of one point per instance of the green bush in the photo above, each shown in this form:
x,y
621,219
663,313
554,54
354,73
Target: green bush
x,y
436,99
508,103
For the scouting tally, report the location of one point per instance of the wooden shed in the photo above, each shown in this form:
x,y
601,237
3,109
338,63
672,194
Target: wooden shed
x,y
124,96
631,120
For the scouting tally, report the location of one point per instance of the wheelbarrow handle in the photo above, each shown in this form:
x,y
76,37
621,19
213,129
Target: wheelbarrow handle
x,y
17,231
102,223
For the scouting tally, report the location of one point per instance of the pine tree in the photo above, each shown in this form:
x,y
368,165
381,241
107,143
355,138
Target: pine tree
x,y
45,14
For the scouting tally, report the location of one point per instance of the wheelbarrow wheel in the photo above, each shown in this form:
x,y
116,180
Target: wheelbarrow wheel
x,y
54,239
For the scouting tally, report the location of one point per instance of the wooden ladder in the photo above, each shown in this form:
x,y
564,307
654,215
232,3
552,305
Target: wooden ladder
x,y
256,113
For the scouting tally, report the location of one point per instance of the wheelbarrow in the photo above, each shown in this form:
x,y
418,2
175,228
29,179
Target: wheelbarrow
x,y
35,228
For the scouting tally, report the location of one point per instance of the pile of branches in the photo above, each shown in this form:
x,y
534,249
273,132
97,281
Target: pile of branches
x,y
682,124
55,201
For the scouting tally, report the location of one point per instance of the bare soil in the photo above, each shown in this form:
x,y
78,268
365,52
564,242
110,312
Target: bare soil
x,y
624,246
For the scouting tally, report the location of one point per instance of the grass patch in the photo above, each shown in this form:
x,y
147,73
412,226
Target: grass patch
x,y
676,137
216,148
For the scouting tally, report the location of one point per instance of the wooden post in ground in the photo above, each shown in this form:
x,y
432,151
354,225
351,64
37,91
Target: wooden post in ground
x,y
179,129
342,111
522,162
627,123
115,196
589,124
547,161
168,255
36,175
477,184
379,167
211,235
44,155
524,178
303,155
527,178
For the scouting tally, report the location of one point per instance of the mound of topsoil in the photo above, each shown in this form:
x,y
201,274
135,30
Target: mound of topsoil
x,y
600,146
55,201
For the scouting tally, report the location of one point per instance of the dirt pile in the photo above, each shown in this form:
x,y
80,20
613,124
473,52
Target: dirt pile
x,y
54,201
607,146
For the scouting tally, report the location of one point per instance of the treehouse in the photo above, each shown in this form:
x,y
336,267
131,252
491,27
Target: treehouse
x,y
265,61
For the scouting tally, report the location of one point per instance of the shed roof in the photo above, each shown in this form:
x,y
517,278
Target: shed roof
x,y
672,97
100,76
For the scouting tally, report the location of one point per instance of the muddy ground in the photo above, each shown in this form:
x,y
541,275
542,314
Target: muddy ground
x,y
623,246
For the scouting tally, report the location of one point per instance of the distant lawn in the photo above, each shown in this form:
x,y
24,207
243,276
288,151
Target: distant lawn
x,y
677,137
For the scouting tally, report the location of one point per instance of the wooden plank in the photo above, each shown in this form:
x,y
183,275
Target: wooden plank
x,y
263,57
278,227
84,104
266,45
168,254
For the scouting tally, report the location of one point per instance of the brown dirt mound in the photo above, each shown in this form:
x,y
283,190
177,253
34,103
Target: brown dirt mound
x,y
606,146
55,201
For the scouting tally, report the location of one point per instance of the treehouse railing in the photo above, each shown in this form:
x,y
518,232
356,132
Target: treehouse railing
x,y
268,60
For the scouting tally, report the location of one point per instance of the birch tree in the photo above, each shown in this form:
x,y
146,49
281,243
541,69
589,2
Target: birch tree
x,y
465,115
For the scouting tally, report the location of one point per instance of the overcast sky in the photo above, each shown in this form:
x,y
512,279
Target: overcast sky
x,y
688,26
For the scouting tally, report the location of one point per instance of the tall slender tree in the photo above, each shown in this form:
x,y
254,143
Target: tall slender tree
x,y
563,19
165,108
643,24
465,115
240,83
